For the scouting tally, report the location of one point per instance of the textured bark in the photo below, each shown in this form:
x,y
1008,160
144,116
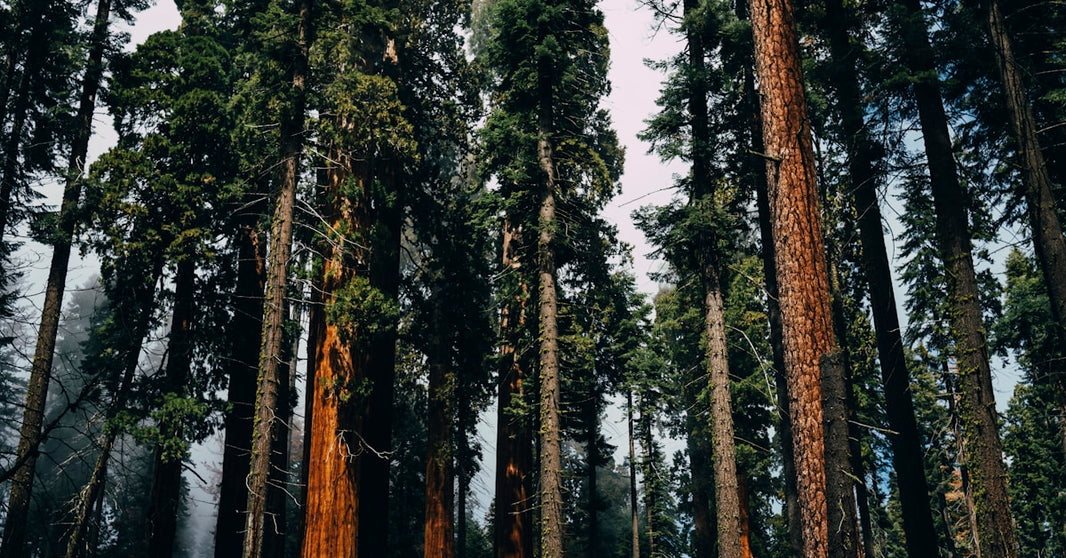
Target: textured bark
x,y
439,531
268,428
800,267
331,498
841,438
745,516
977,405
41,367
905,438
1045,227
840,492
166,480
773,311
551,466
514,458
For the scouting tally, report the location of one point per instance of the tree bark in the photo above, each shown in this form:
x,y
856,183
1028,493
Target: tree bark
x,y
166,481
41,368
977,405
267,428
905,438
514,459
1044,223
699,465
592,458
800,267
551,467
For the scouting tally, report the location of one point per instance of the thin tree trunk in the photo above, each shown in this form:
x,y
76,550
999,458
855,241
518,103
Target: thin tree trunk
x,y
439,527
267,429
905,438
87,499
166,482
1046,229
800,267
513,515
977,405
40,372
634,512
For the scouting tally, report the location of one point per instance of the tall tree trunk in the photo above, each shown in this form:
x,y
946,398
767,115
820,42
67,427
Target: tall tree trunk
x,y
41,368
977,405
800,267
1046,229
551,466
634,513
513,514
773,310
905,436
439,527
745,515
246,334
723,448
166,481
267,428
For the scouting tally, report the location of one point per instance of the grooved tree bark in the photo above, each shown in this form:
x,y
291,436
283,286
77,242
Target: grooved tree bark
x,y
905,437
977,405
267,430
807,333
41,368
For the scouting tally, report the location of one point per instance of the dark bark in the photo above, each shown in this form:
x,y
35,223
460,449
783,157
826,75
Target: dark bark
x,y
246,330
905,438
592,456
800,267
40,372
1045,226
977,406
701,483
268,427
165,500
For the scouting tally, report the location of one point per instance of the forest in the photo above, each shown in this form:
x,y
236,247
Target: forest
x,y
344,283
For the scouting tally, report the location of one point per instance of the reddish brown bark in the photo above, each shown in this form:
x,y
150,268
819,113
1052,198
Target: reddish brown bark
x,y
800,267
